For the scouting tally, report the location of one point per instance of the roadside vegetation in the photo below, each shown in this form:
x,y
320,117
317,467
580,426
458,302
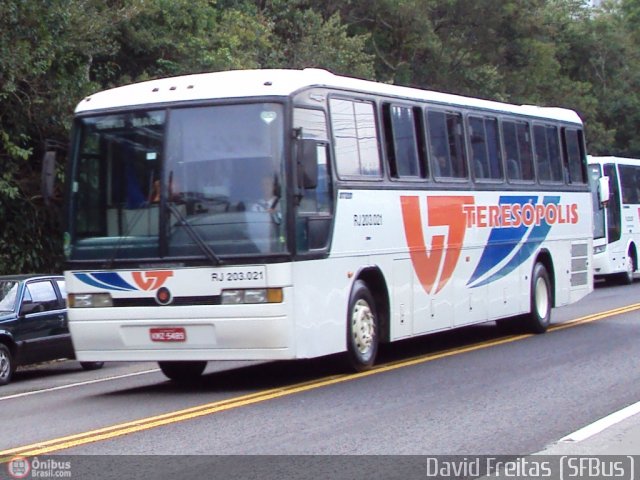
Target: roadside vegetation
x,y
54,52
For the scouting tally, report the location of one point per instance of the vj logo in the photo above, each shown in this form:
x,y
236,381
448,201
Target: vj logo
x,y
151,280
445,249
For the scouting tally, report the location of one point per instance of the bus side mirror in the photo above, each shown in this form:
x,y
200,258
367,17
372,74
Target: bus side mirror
x,y
603,190
308,163
48,176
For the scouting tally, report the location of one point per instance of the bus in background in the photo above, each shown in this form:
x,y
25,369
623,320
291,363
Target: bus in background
x,y
279,214
617,220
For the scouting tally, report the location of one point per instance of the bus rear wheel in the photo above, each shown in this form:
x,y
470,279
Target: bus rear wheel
x,y
362,328
539,317
182,372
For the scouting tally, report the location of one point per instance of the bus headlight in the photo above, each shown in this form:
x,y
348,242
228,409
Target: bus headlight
x,y
252,295
90,300
599,249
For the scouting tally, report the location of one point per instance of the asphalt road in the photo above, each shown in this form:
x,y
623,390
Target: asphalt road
x,y
474,391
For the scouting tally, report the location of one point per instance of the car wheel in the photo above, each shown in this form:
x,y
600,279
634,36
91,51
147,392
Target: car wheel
x,y
182,372
7,364
92,365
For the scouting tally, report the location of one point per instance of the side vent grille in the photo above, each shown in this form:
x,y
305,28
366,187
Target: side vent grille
x,y
579,264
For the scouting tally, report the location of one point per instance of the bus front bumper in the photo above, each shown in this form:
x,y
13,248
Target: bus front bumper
x,y
197,339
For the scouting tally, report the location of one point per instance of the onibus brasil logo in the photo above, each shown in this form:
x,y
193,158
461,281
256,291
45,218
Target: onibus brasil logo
x,y
518,223
23,467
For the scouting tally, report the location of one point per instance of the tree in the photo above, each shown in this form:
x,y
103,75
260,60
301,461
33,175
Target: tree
x,y
601,50
55,52
172,37
45,51
306,38
519,51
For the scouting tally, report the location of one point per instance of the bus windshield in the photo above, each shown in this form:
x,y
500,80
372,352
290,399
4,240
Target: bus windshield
x,y
180,183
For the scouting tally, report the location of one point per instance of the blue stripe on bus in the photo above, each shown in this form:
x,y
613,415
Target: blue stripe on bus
x,y
530,245
108,280
502,240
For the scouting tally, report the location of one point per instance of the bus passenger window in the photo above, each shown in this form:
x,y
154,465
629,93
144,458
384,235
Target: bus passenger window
x,y
486,160
446,141
574,155
355,138
517,148
629,176
526,151
555,156
402,143
477,141
548,161
510,140
542,154
493,149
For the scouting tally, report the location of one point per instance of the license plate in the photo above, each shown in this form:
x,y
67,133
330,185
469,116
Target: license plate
x,y
170,334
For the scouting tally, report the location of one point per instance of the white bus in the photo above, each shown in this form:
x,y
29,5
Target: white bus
x,y
617,222
277,214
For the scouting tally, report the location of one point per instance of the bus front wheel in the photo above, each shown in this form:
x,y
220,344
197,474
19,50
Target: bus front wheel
x,y
182,372
539,318
362,328
626,277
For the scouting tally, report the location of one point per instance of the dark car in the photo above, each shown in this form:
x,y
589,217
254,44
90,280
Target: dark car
x,y
33,323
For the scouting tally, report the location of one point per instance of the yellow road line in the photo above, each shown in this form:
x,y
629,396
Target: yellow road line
x,y
596,316
147,423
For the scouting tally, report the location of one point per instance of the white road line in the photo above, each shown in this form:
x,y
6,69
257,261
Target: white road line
x,y
600,425
79,384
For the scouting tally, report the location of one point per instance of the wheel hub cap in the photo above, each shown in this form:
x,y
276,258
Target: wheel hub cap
x,y
4,365
362,326
542,298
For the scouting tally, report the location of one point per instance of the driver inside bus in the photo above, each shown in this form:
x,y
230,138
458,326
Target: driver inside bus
x,y
269,195
270,198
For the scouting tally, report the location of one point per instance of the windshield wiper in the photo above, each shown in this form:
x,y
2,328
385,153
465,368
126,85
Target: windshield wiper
x,y
182,222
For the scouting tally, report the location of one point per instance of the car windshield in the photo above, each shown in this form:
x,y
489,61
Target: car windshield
x,y
181,183
8,294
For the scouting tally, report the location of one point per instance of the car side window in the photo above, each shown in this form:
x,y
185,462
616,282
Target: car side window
x,y
27,296
42,293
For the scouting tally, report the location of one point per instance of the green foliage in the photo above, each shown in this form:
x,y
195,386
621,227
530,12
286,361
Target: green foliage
x,y
305,38
54,52
46,47
26,243
601,50
171,37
